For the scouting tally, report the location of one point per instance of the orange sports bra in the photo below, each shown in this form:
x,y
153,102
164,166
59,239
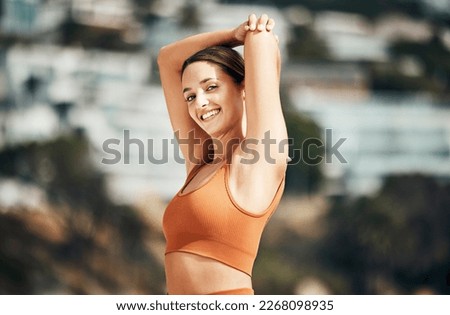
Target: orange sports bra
x,y
209,223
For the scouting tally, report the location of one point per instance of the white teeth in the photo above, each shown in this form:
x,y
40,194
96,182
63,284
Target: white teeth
x,y
210,113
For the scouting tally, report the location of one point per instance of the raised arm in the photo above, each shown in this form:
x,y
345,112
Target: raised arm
x,y
262,82
265,120
170,61
266,129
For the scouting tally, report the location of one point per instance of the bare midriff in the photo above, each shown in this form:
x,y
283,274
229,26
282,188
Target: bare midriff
x,y
188,273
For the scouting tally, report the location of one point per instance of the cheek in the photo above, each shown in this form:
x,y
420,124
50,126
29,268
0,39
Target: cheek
x,y
191,111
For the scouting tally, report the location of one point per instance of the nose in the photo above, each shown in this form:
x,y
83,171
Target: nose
x,y
201,100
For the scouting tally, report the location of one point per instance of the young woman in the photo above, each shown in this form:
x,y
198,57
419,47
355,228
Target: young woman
x,y
232,134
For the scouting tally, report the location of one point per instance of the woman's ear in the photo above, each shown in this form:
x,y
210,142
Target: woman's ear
x,y
243,91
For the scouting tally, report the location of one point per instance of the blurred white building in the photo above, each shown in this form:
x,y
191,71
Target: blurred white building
x,y
384,135
131,123
350,37
394,27
313,82
32,17
109,93
438,5
214,16
103,13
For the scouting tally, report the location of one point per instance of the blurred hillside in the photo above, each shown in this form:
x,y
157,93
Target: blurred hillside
x,y
372,76
60,233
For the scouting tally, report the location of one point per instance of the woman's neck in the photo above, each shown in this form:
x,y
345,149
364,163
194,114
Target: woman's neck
x,y
225,145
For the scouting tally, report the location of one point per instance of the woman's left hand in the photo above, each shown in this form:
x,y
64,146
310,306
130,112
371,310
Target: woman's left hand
x,y
253,24
261,24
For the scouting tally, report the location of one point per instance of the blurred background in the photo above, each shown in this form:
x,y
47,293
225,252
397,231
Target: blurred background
x,y
375,74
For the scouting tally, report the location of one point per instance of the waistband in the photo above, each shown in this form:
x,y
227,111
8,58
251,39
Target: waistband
x,y
239,291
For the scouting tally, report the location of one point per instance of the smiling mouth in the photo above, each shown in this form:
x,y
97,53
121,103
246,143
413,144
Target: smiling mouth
x,y
210,114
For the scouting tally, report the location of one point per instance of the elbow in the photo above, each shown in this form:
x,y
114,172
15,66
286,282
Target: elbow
x,y
163,55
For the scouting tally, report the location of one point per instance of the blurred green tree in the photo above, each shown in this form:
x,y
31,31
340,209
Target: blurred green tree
x,y
435,57
303,175
305,45
397,241
143,9
189,16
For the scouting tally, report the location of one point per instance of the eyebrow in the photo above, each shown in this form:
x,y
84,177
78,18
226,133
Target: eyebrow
x,y
201,82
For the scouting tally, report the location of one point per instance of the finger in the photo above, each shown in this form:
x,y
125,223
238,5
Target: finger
x,y
270,25
252,22
262,22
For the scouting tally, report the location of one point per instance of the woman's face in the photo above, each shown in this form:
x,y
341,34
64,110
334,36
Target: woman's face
x,y
214,100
